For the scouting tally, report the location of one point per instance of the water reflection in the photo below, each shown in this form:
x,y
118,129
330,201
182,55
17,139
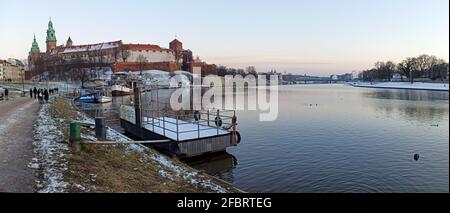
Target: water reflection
x,y
334,138
410,95
220,165
409,105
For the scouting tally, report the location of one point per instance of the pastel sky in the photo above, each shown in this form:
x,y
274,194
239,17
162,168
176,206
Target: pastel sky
x,y
319,37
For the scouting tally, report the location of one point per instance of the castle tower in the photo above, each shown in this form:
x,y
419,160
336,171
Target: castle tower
x,y
177,47
51,37
69,42
34,53
35,46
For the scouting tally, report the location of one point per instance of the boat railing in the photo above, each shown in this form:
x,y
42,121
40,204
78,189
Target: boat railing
x,y
203,120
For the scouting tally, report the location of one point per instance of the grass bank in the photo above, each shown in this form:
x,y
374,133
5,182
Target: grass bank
x,y
116,168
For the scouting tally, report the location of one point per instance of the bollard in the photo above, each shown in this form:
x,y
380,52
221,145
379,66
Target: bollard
x,y
75,136
75,132
100,128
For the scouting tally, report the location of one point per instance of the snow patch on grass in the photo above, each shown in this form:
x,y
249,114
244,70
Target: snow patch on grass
x,y
50,153
167,166
187,174
88,137
80,187
165,174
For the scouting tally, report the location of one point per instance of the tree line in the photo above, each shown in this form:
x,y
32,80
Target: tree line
x,y
423,66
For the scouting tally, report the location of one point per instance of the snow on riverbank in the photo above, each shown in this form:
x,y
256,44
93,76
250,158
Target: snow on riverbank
x,y
168,168
404,85
50,153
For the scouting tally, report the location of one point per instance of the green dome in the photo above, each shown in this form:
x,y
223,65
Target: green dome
x,y
51,36
35,46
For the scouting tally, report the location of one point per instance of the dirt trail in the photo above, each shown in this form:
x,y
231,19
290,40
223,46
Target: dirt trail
x,y
17,118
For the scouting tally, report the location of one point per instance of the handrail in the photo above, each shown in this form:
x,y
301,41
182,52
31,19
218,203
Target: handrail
x,y
163,119
186,123
177,131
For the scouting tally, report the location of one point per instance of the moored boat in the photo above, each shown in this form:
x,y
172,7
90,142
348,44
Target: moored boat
x,y
119,90
87,99
104,99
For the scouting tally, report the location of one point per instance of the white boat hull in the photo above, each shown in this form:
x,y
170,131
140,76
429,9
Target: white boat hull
x,y
118,90
104,99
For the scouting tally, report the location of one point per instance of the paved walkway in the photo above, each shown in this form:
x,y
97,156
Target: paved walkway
x,y
17,119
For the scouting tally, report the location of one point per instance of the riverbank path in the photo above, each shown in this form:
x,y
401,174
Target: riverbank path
x,y
17,117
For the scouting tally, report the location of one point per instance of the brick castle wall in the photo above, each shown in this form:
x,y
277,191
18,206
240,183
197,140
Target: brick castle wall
x,y
136,66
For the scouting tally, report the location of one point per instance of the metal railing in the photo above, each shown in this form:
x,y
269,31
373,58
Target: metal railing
x,y
204,120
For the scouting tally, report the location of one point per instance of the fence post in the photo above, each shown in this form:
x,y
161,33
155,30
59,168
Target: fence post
x,y
178,135
137,105
216,122
100,128
208,117
164,124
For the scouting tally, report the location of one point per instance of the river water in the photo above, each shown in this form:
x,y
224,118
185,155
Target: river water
x,y
336,138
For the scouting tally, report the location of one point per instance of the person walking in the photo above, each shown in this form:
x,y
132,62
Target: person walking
x,y
35,92
6,93
46,95
31,93
39,96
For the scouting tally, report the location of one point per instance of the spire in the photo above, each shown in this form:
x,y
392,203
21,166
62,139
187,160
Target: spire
x,y
35,46
51,31
69,42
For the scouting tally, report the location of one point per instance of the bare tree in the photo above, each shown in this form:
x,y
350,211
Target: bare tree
x,y
407,67
384,70
142,60
440,70
116,54
222,70
84,75
80,73
251,70
124,53
389,69
423,64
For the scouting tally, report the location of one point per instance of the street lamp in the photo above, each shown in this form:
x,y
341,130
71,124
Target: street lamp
x,y
23,83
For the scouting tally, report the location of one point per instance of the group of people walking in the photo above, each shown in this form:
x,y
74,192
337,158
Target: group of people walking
x,y
42,94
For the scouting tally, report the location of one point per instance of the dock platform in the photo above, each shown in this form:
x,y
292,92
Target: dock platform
x,y
189,135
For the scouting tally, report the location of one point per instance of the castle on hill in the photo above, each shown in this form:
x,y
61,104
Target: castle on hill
x,y
59,61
